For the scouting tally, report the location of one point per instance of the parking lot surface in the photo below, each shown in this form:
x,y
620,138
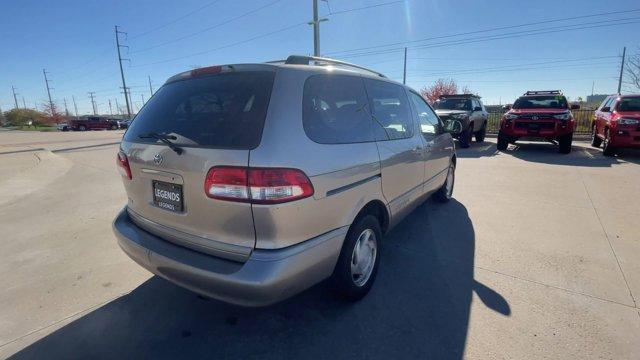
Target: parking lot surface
x,y
538,256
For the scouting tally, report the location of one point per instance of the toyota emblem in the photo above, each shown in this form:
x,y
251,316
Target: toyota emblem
x,y
157,159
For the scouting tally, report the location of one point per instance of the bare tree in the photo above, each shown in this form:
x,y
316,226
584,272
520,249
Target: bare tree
x,y
632,70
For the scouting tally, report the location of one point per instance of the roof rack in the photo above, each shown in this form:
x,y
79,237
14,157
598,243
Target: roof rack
x,y
544,92
459,96
307,60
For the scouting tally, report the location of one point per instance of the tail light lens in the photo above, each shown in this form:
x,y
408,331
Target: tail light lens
x,y
257,185
123,165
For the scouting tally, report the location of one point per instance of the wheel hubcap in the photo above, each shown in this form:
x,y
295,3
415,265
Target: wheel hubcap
x,y
363,258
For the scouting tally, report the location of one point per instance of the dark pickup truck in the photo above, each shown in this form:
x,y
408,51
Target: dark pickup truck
x,y
93,123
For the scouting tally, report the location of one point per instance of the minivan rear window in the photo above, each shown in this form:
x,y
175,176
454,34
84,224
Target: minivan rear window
x,y
218,111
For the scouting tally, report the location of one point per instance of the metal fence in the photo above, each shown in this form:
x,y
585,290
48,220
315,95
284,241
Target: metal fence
x,y
583,121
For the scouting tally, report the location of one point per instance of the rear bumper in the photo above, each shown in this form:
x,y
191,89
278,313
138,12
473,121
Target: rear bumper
x,y
268,276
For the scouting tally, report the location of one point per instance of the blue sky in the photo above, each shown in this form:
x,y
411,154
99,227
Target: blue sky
x,y
74,41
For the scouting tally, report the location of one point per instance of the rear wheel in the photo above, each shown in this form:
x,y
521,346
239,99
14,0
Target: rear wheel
x,y
607,148
503,143
114,127
445,193
82,128
465,137
357,265
595,140
480,135
565,143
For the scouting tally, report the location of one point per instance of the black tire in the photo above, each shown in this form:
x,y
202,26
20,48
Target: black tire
x,y
607,148
482,133
344,282
445,192
114,127
595,140
503,142
565,143
465,137
82,128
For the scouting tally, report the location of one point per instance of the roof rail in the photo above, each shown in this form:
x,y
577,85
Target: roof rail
x,y
307,60
544,92
459,95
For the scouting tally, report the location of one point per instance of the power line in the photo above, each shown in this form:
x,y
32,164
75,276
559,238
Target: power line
x,y
174,20
489,30
250,39
208,28
517,34
364,7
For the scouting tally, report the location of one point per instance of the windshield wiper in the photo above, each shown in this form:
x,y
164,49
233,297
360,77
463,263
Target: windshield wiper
x,y
165,139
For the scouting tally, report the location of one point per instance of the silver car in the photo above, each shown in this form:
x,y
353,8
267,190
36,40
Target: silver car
x,y
249,183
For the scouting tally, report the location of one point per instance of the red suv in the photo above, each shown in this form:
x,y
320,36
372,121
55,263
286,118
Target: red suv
x,y
539,115
93,123
616,124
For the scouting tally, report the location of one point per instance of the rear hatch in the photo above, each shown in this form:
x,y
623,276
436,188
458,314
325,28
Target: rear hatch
x,y
214,116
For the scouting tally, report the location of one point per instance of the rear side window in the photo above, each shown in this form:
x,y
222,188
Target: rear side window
x,y
391,111
220,111
335,110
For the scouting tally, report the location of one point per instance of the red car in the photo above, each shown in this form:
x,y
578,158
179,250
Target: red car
x,y
539,115
93,123
616,124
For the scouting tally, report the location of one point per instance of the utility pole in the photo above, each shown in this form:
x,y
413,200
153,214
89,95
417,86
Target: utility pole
x,y
150,87
46,81
142,95
316,29
75,107
93,103
15,98
24,103
624,53
124,84
66,109
110,111
404,73
118,107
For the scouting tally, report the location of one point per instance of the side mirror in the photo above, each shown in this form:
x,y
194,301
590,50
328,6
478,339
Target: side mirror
x,y
575,107
477,108
453,126
506,107
606,109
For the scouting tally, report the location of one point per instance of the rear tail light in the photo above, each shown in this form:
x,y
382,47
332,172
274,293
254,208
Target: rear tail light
x,y
123,165
257,185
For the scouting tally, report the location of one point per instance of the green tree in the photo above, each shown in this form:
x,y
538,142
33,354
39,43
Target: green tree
x,y
21,117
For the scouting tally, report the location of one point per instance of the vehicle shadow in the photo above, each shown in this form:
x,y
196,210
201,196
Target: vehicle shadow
x,y
476,150
580,155
418,308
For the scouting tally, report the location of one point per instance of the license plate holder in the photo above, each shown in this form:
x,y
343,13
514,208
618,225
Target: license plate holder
x,y
167,196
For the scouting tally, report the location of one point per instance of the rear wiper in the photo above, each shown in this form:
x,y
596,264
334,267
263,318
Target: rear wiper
x,y
165,139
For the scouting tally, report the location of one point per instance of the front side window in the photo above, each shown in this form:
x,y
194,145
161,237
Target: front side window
x,y
391,110
427,118
335,110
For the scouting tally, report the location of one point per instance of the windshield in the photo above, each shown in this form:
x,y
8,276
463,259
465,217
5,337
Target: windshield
x,y
629,104
541,102
453,104
221,111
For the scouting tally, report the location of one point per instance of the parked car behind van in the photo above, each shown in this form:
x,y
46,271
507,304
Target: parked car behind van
x,y
252,182
617,124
